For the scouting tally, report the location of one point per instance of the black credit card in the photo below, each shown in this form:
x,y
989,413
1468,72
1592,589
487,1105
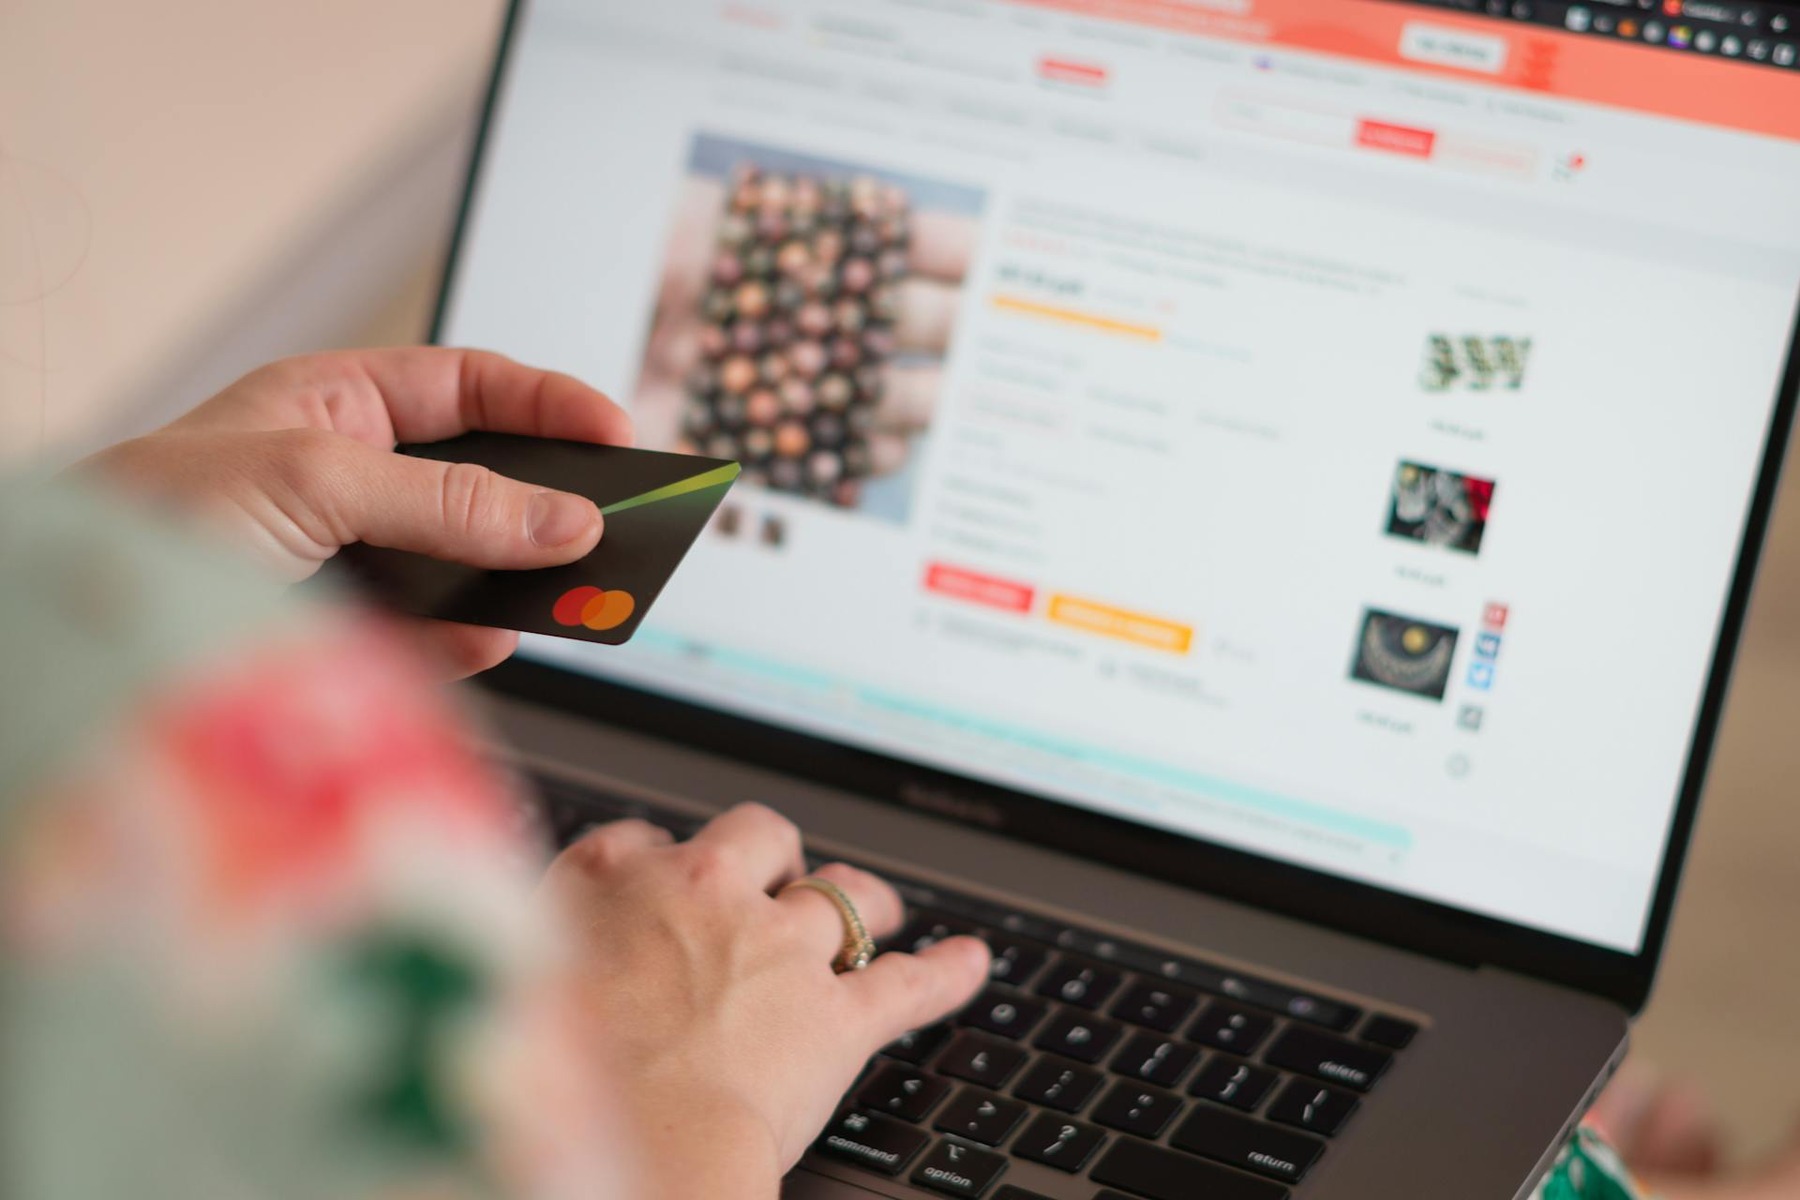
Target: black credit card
x,y
655,506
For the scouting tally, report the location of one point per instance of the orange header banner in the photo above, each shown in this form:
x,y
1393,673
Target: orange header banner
x,y
1615,71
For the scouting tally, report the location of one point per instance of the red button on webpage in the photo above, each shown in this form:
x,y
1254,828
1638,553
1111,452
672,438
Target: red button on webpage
x,y
978,589
1397,139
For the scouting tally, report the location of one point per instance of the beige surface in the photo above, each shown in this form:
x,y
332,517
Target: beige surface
x,y
199,140
1727,1009
158,160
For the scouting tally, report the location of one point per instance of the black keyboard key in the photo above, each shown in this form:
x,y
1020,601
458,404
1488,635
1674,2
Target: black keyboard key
x,y
1058,1142
1247,1143
1146,1170
981,1116
1151,962
1155,1007
1035,928
958,1170
1094,945
1155,1059
871,1141
902,1092
981,1059
926,930
1074,1034
1230,1027
1082,983
1227,1080
1009,1192
1332,1014
1391,1032
1313,1107
1313,1009
917,1045
1145,1111
1329,1058
1058,1083
1005,1013
1014,961
976,911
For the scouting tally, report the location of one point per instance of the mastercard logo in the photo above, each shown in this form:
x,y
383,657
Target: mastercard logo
x,y
593,607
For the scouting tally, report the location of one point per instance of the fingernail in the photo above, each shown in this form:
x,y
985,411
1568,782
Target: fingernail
x,y
557,517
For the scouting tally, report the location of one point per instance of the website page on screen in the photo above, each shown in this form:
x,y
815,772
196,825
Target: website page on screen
x,y
1326,430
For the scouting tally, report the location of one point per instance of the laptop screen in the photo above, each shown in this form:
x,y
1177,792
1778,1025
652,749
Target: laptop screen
x,y
1322,429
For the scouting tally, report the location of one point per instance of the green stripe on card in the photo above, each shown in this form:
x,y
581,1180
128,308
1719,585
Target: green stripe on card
x,y
680,487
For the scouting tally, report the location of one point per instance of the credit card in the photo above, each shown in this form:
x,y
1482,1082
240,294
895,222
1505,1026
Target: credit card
x,y
655,506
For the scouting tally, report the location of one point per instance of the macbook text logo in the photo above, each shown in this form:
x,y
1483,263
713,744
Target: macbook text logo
x,y
950,805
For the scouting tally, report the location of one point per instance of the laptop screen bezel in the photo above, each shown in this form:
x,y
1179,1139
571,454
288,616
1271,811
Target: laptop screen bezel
x,y
1438,930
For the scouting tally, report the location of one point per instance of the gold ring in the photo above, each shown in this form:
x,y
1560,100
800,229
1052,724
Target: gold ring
x,y
858,946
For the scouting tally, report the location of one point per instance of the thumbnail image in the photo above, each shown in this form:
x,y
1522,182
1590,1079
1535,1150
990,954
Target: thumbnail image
x,y
1472,363
802,319
1438,507
1404,653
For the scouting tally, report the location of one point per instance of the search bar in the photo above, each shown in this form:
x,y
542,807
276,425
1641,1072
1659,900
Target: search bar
x,y
1342,129
1291,122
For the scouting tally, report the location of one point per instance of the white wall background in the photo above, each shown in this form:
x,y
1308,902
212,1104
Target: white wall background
x,y
191,186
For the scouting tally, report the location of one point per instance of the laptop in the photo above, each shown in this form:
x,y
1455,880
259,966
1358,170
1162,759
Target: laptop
x,y
1248,505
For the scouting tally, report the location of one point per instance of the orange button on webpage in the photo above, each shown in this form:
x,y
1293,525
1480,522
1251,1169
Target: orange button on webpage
x,y
1121,623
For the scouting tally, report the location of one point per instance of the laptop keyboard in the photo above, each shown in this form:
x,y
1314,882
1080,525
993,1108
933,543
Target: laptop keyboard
x,y
1139,1075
